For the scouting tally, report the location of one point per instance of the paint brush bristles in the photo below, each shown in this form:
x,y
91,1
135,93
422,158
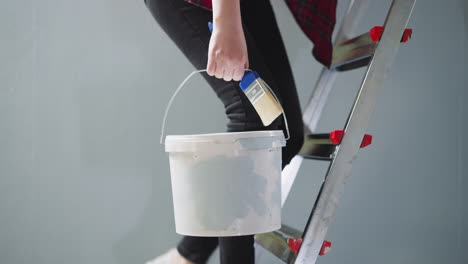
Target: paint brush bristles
x,y
266,105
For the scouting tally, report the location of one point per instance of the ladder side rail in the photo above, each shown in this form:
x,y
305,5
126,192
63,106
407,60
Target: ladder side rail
x,y
354,14
357,123
323,86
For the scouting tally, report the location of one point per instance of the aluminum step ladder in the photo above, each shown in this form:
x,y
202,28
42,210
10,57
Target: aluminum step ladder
x,y
375,49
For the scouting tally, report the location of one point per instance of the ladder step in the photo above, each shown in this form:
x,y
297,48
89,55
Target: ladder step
x,y
353,53
358,51
283,243
323,146
317,151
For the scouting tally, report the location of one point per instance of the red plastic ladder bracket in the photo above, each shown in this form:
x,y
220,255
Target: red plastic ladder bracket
x,y
407,35
375,34
337,135
366,141
326,247
294,244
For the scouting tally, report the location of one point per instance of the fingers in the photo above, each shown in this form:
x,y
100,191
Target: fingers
x,y
219,73
228,74
211,67
224,66
237,74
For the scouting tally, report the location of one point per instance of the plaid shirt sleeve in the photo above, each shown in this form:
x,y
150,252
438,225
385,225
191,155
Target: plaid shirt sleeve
x,y
316,18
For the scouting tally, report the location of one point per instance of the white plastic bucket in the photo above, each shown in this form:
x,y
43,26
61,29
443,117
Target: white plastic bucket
x,y
225,184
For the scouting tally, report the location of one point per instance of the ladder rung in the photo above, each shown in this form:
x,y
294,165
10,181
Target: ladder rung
x,y
357,52
277,242
321,146
353,53
317,151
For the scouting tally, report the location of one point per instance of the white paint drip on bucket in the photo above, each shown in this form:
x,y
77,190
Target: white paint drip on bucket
x,y
225,184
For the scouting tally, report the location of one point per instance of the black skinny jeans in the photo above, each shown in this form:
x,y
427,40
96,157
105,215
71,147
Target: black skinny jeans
x,y
187,26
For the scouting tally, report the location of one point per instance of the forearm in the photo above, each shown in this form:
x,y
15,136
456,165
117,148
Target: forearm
x,y
226,15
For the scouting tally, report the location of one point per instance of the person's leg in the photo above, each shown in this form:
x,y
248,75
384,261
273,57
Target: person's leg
x,y
236,250
260,22
187,27
268,57
197,249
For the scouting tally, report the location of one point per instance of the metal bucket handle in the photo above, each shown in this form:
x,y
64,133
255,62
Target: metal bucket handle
x,y
186,80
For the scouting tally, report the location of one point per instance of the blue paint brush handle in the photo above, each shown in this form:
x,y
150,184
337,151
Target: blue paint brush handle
x,y
210,26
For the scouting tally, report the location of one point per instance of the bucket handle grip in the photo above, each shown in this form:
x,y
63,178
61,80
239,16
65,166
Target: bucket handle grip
x,y
182,85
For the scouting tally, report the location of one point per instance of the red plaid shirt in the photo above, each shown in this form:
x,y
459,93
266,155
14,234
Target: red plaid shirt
x,y
316,19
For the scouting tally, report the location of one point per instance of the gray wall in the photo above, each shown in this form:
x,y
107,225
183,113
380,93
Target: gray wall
x,y
83,179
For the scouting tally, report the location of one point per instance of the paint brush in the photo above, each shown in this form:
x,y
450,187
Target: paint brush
x,y
259,94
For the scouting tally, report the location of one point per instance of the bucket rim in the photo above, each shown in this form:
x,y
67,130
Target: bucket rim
x,y
224,136
201,142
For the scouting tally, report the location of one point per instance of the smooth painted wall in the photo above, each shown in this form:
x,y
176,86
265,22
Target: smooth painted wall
x,y
83,178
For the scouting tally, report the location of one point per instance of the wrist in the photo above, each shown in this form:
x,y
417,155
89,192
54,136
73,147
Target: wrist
x,y
226,16
227,26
